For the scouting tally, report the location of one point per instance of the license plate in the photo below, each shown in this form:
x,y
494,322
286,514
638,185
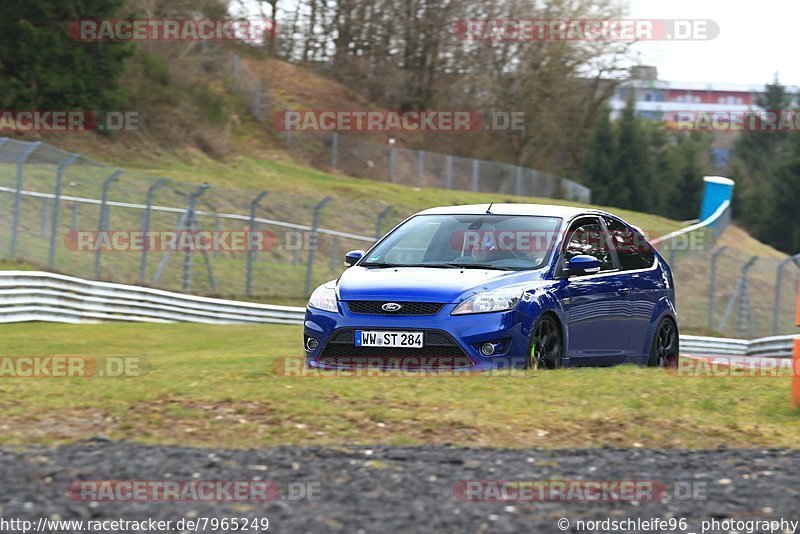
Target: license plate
x,y
380,338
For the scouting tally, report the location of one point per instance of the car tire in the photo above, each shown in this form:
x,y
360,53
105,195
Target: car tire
x,y
665,348
547,346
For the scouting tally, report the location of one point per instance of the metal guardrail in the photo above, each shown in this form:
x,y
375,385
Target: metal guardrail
x,y
42,296
774,346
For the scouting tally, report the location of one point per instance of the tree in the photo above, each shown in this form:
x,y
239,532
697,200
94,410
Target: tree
x,y
757,149
687,191
632,166
777,224
41,67
599,166
767,168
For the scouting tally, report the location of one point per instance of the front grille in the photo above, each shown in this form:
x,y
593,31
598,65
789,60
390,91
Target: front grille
x,y
373,307
440,351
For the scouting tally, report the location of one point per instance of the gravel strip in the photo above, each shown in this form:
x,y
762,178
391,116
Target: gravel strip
x,y
406,489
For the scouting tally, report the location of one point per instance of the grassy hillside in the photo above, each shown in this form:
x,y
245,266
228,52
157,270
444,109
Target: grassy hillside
x,y
217,386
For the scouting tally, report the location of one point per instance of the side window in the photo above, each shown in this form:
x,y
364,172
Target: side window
x,y
587,237
633,250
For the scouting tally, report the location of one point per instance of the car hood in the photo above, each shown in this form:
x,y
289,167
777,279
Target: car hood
x,y
423,284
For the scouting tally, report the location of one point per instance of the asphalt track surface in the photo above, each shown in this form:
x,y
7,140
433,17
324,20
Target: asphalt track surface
x,y
412,489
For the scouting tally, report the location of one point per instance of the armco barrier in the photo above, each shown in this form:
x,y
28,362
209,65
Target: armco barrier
x,y
773,347
42,296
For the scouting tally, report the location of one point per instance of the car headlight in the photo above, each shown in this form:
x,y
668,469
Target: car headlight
x,y
490,301
324,298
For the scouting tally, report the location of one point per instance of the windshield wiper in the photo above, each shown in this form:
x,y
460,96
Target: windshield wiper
x,y
480,266
385,265
425,265
439,266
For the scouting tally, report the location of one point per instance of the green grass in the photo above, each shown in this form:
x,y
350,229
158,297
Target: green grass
x,y
288,177
215,386
11,265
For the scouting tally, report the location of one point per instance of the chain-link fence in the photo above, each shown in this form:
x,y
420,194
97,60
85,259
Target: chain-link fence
x,y
390,163
65,212
722,290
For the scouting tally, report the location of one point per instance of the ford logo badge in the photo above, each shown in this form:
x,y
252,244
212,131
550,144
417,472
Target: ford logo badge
x,y
391,307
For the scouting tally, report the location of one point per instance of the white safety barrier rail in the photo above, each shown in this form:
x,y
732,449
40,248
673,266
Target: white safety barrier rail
x,y
49,297
773,347
41,296
716,216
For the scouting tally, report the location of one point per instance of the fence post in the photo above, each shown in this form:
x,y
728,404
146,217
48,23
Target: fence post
x,y
744,306
73,223
43,216
778,282
712,286
448,172
250,252
379,222
146,224
391,160
21,159
334,150
102,223
518,181
335,254
475,175
187,258
420,167
236,64
313,242
740,286
51,255
257,102
289,136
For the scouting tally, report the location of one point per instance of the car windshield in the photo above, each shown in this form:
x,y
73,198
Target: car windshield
x,y
507,242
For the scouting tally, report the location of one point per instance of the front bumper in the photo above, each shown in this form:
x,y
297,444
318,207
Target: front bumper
x,y
449,341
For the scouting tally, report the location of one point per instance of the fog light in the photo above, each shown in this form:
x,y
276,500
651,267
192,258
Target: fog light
x,y
487,349
311,343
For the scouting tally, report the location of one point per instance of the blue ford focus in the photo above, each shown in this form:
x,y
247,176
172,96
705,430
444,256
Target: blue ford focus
x,y
493,286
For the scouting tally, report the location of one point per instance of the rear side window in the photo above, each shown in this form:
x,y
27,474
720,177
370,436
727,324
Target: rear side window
x,y
633,250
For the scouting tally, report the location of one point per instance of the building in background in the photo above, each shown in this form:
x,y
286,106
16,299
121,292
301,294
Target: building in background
x,y
655,98
661,100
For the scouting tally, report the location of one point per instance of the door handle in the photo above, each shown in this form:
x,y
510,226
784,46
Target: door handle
x,y
624,291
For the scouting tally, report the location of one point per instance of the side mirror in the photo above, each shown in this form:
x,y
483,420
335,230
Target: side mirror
x,y
352,257
582,264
